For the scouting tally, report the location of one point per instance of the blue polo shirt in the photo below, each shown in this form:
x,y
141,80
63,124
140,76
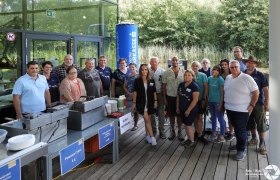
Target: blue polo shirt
x,y
105,76
186,95
32,93
262,82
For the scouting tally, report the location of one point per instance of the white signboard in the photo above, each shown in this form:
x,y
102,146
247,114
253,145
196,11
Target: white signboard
x,y
126,122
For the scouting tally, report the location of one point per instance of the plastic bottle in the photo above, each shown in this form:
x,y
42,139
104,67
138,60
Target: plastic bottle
x,y
124,101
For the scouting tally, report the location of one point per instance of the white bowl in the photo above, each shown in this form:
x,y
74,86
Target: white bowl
x,y
3,134
20,142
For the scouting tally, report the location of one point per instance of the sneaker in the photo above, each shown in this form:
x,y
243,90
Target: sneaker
x,y
203,140
172,135
212,138
185,142
229,137
134,128
240,155
180,136
262,150
232,148
189,144
253,141
148,139
153,141
162,135
219,140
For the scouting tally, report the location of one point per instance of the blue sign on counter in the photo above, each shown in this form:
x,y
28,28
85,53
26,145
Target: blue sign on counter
x,y
72,156
106,135
11,170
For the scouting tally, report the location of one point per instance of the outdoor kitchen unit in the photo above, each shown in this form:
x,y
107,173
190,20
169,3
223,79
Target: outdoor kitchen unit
x,y
46,127
87,113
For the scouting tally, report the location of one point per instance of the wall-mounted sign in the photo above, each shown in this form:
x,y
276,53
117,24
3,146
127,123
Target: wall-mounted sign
x,y
11,36
11,170
106,135
72,156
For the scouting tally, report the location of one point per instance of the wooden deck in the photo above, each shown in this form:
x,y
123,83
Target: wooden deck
x,y
169,160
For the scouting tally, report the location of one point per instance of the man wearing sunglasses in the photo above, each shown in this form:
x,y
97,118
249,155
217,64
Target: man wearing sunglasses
x,y
241,96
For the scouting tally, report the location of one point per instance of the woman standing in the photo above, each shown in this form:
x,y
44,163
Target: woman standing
x,y
224,63
118,78
145,100
129,89
52,80
215,103
186,104
72,88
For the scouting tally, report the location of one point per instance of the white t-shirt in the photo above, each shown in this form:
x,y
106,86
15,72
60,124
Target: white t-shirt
x,y
238,92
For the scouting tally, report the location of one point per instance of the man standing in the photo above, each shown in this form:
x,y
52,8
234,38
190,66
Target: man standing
x,y
31,92
241,95
60,71
105,73
170,82
156,73
238,55
257,119
91,79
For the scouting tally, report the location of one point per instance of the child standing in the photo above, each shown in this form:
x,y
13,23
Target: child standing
x,y
215,103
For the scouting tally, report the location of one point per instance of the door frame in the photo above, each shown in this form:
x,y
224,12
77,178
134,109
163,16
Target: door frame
x,y
28,37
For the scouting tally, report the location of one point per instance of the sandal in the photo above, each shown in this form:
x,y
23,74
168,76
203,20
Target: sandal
x,y
134,128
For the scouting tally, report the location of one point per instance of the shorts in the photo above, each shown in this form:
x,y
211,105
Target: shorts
x,y
188,121
200,109
171,106
257,119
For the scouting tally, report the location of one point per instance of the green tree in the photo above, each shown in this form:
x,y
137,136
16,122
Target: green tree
x,y
245,23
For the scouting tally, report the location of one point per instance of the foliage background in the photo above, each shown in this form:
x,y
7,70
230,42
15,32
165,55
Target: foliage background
x,y
194,29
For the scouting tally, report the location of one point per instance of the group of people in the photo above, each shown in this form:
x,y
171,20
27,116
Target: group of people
x,y
236,87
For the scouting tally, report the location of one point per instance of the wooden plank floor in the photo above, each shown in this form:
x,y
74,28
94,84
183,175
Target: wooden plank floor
x,y
169,160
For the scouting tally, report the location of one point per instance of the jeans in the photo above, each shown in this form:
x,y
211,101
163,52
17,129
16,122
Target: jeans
x,y
239,122
216,114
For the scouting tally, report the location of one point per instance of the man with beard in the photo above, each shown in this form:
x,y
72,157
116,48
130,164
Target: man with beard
x,y
257,119
60,71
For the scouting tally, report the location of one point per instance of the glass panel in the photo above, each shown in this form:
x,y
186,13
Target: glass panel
x,y
43,50
85,50
10,60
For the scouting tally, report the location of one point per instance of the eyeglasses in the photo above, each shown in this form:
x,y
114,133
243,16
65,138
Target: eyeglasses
x,y
71,73
234,67
236,51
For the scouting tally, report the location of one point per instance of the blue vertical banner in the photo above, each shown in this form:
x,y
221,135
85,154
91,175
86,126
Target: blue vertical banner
x,y
106,135
127,43
11,170
72,156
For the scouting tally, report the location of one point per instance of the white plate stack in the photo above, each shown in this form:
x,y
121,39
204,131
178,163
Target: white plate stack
x,y
114,105
20,142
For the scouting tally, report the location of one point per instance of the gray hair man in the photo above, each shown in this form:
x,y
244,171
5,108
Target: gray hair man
x,y
241,96
156,73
